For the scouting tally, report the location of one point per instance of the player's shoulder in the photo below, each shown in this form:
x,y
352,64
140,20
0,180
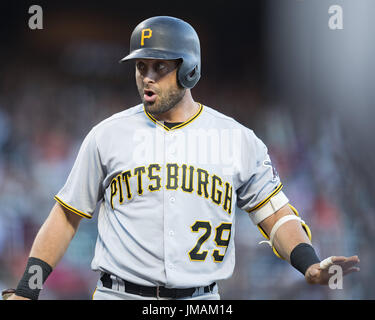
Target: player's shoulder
x,y
217,114
119,117
222,121
225,120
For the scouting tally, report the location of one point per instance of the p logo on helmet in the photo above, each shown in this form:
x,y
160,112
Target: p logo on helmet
x,y
146,34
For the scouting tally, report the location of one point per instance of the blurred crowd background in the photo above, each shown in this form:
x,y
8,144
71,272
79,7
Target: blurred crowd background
x,y
275,66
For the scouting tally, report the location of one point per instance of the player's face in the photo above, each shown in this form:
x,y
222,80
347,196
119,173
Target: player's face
x,y
157,84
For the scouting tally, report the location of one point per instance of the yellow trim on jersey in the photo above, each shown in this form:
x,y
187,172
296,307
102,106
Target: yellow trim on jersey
x,y
74,210
262,203
92,296
155,121
179,126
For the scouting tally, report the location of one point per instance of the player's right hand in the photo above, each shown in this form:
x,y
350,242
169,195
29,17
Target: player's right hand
x,y
14,297
9,294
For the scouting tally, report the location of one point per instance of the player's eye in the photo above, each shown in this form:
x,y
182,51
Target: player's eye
x,y
160,66
140,66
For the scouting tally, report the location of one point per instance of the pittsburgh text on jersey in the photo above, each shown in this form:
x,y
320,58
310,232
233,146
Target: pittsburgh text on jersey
x,y
184,177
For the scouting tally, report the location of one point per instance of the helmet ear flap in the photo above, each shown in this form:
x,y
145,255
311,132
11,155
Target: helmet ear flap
x,y
188,76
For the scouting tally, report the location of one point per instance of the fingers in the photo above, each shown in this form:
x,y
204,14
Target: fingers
x,y
338,259
342,259
344,262
350,270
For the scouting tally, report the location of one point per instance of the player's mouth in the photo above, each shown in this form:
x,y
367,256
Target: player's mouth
x,y
149,95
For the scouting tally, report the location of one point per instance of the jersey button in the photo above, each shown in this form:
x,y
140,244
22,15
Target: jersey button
x,y
170,266
172,200
171,233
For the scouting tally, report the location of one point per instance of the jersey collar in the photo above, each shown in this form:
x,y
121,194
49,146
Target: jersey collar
x,y
178,126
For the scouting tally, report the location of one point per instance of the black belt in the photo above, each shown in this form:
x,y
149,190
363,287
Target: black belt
x,y
147,291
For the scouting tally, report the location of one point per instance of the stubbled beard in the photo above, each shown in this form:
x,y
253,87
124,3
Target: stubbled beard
x,y
165,100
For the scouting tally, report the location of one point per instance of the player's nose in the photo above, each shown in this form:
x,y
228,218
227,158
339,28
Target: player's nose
x,y
150,76
148,80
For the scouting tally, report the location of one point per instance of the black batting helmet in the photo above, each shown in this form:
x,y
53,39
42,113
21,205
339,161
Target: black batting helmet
x,y
168,38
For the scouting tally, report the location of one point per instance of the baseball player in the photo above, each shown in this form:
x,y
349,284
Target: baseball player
x,y
165,178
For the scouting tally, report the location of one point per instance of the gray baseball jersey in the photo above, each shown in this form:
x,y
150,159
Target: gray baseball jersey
x,y
167,195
